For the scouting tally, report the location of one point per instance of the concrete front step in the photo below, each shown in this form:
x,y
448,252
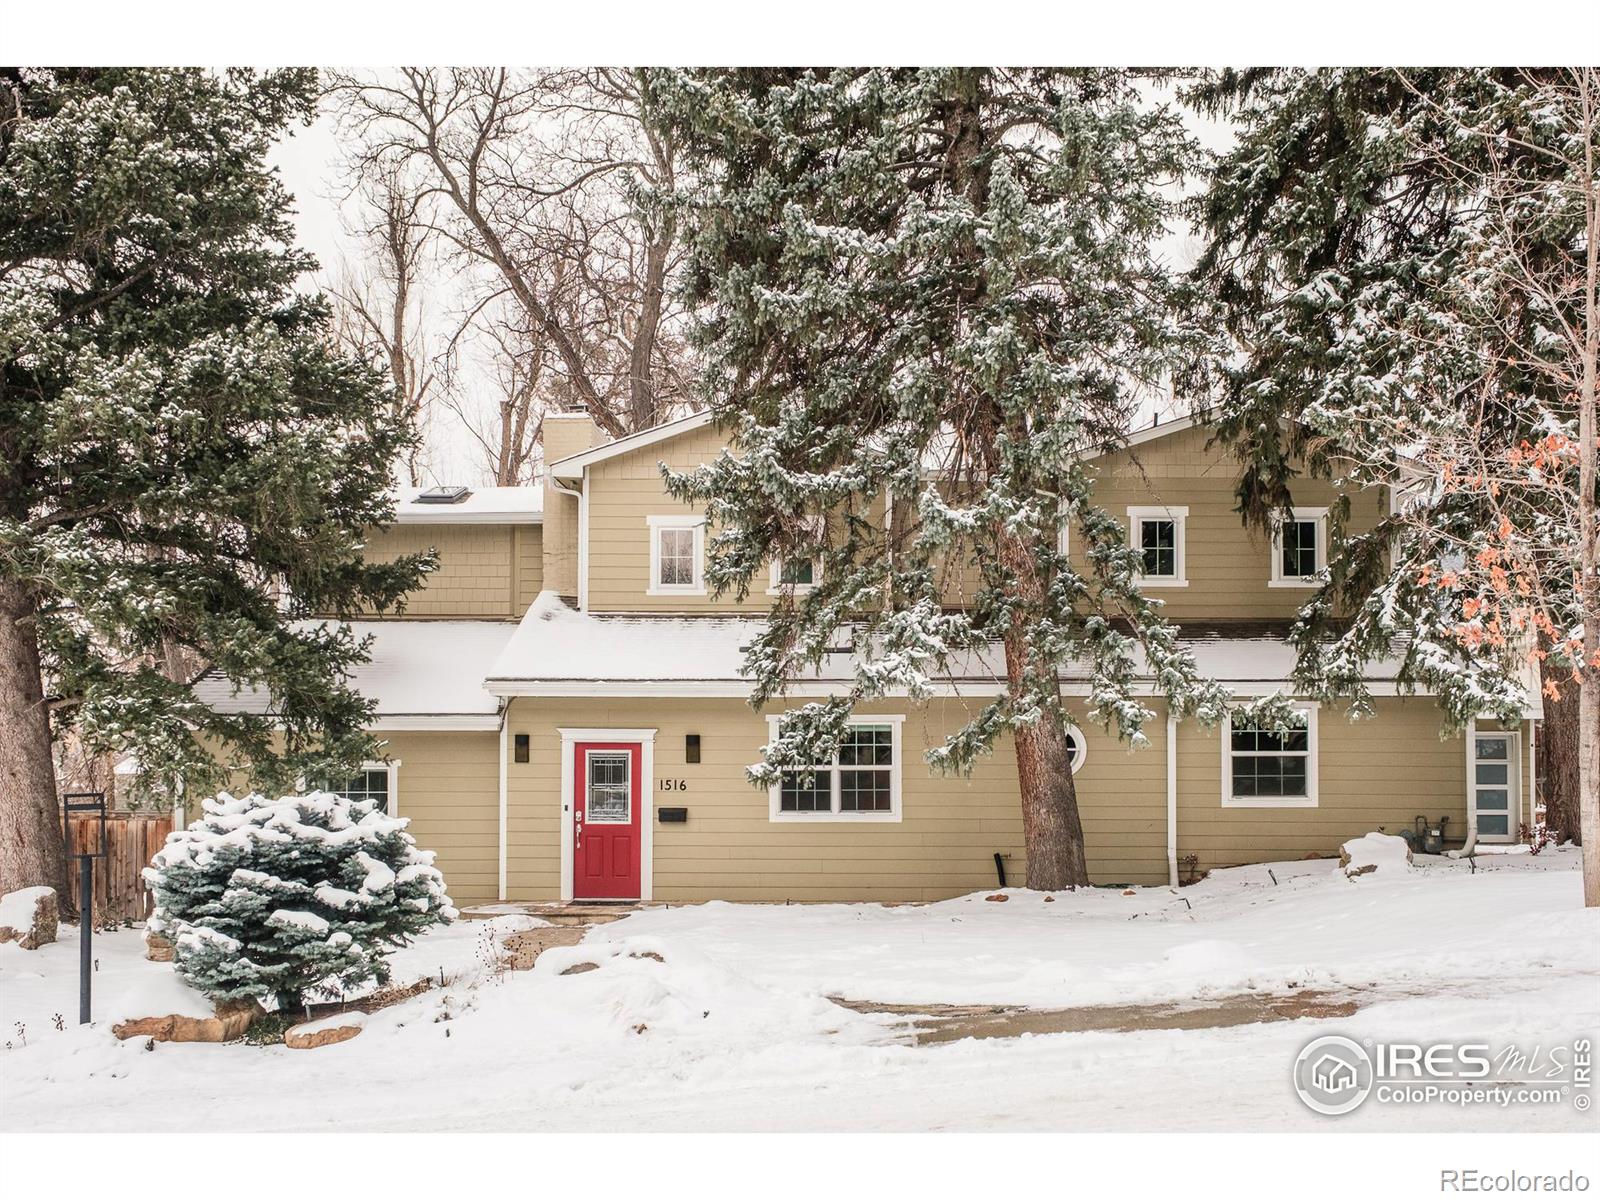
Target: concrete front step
x,y
556,914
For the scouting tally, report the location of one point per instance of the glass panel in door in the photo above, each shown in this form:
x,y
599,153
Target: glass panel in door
x,y
608,794
1493,787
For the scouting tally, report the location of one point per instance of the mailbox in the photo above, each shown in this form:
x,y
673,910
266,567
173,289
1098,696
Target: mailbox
x,y
672,816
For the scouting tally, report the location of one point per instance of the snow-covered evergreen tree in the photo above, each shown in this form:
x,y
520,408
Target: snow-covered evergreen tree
x,y
187,466
279,899
934,291
1407,262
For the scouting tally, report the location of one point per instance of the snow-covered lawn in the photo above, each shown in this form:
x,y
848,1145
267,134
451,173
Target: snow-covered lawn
x,y
718,1016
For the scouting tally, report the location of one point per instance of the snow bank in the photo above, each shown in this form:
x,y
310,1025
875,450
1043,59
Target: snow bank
x,y
17,908
159,993
717,1016
1374,852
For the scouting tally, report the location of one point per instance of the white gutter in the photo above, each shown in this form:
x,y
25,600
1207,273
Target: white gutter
x,y
1172,798
505,721
1533,784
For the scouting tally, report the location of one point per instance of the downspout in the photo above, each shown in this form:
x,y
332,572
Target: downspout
x,y
1172,797
1533,783
505,722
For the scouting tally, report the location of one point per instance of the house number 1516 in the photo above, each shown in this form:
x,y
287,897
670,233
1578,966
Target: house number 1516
x,y
673,785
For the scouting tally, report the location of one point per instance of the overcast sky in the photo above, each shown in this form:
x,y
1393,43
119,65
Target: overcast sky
x,y
309,160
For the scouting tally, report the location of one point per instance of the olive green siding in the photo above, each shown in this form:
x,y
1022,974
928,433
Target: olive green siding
x,y
488,570
1228,567
448,786
623,492
1381,771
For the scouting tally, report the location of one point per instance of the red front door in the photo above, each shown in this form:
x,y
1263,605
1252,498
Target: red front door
x,y
605,821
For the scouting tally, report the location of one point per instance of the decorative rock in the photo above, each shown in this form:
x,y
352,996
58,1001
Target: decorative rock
x,y
329,1031
158,947
29,917
998,897
580,968
230,1021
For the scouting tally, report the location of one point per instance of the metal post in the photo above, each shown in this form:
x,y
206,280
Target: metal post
x,y
92,805
85,934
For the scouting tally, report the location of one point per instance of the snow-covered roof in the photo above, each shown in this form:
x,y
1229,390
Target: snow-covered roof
x,y
422,675
559,651
480,506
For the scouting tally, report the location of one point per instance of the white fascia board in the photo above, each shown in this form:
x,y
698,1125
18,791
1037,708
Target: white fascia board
x,y
573,466
445,517
740,689
400,722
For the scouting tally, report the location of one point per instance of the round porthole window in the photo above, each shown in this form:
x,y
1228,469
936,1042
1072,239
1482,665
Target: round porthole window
x,y
1078,747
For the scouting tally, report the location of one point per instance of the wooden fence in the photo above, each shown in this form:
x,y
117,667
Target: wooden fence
x,y
132,838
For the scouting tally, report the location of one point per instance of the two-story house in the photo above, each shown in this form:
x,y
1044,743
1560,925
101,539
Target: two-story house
x,y
565,714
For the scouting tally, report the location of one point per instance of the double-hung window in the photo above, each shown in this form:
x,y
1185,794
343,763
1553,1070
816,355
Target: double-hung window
x,y
1299,547
861,783
1157,535
1270,768
677,549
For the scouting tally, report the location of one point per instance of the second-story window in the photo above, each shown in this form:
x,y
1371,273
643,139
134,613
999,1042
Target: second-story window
x,y
1157,535
677,546
797,574
1299,547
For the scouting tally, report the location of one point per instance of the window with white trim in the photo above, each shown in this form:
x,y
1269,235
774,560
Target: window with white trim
x,y
797,574
862,783
1299,547
677,550
1077,747
1270,768
374,782
1157,536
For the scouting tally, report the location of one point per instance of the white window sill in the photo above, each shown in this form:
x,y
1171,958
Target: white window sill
x,y
1160,582
873,818
1269,802
1305,584
675,591
783,589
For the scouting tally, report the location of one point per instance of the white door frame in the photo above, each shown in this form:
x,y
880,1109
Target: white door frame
x,y
1513,787
646,741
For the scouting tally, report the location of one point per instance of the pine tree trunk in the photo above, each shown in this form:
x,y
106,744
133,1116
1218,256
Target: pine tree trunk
x,y
1052,832
1558,754
30,820
1051,829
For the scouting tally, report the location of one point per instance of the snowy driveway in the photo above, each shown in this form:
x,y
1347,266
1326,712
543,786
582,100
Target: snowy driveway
x,y
717,1016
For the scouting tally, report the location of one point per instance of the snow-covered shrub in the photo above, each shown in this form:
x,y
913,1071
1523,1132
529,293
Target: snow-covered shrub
x,y
282,898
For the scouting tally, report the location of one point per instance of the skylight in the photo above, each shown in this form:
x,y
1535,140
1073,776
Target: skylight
x,y
443,495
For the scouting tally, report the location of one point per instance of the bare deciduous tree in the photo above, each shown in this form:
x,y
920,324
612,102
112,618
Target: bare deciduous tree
x,y
379,309
545,189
